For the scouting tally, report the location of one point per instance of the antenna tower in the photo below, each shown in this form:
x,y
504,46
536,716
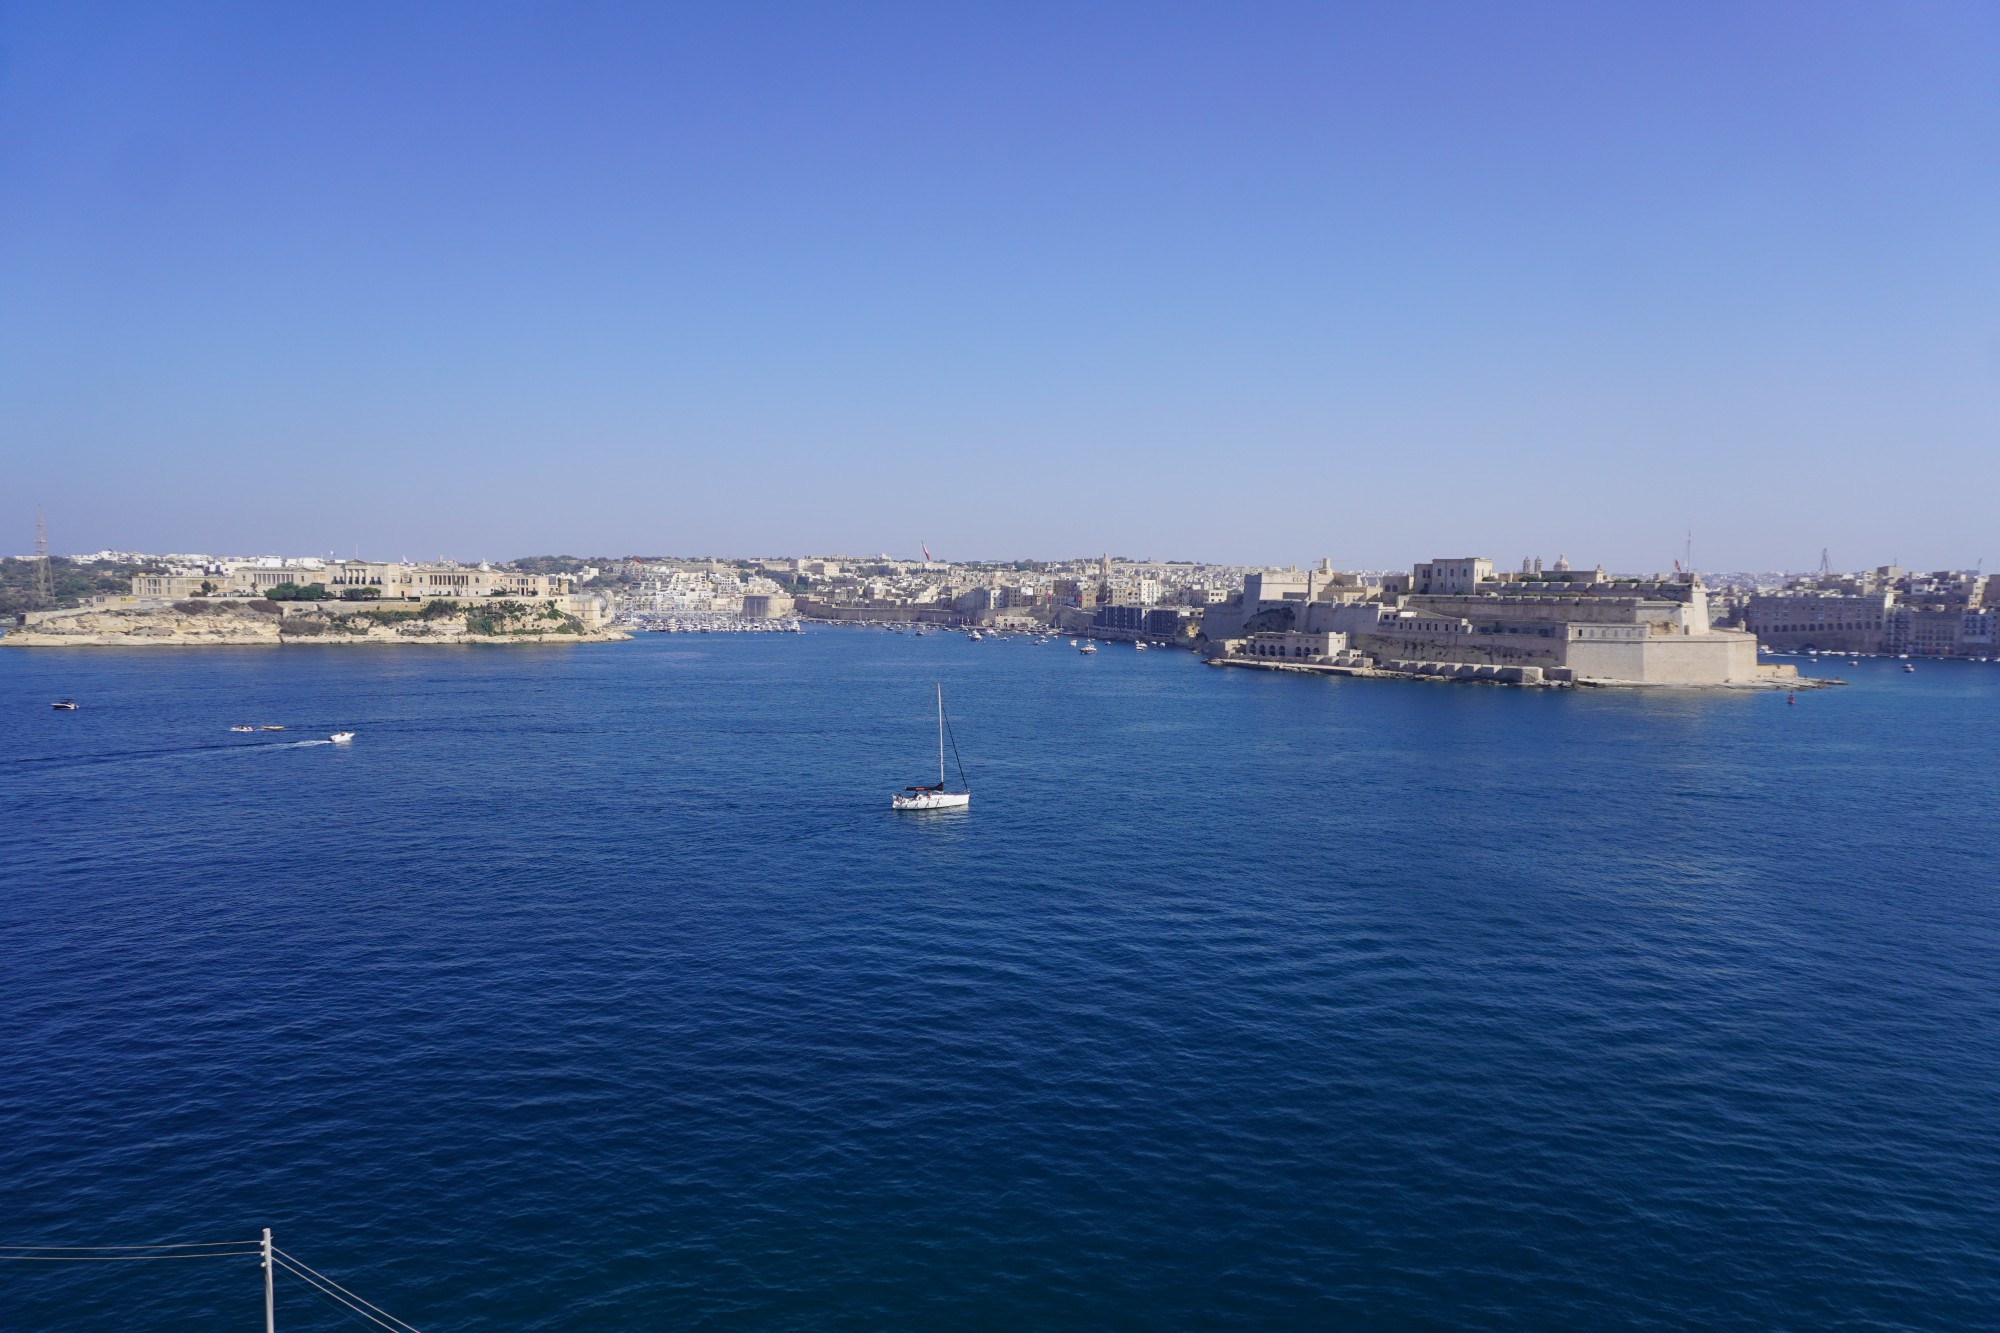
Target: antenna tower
x,y
45,584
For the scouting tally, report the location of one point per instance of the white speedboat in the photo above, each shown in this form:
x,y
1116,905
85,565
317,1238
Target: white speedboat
x,y
936,798
64,705
1907,667
241,728
1140,646
341,737
1087,649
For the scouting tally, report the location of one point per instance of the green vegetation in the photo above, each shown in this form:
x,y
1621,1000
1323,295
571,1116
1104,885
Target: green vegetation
x,y
293,592
74,580
610,568
494,617
438,608
360,594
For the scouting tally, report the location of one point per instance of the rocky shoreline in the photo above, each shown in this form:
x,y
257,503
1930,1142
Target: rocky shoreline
x,y
254,623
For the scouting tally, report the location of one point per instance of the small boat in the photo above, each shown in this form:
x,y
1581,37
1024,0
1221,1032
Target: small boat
x,y
243,728
1087,649
1140,646
1072,643
341,737
936,798
64,705
1907,667
268,727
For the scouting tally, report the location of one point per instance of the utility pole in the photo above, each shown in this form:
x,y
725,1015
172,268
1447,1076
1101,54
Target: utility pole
x,y
45,584
270,1297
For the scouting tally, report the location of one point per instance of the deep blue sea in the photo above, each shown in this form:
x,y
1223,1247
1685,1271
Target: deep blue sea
x,y
597,988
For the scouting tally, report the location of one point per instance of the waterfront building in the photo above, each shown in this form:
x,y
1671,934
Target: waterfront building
x,y
1319,648
1457,616
1835,621
1649,631
231,578
1119,621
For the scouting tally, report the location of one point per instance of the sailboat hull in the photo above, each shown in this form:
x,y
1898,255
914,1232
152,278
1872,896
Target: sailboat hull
x,y
931,800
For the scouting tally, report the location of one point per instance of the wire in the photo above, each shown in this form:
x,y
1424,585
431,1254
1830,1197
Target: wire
x,y
227,1253
954,744
164,1245
299,1263
330,1296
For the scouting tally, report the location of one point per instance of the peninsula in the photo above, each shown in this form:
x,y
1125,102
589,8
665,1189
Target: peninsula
x,y
260,622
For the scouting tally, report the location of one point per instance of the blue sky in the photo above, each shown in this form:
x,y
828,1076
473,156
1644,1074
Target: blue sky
x,y
1245,282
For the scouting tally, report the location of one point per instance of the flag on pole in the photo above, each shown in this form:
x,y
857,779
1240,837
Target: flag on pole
x,y
927,553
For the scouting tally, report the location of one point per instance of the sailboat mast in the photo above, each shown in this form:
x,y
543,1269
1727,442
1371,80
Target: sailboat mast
x,y
940,692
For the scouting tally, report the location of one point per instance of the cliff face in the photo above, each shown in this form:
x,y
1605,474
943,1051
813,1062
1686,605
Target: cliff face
x,y
258,623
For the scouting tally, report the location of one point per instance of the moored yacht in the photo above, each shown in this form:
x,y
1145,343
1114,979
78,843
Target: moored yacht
x,y
936,797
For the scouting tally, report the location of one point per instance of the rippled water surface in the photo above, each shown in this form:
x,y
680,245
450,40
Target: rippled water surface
x,y
597,987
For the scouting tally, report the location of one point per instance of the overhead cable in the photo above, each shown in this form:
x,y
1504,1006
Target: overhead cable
x,y
314,1278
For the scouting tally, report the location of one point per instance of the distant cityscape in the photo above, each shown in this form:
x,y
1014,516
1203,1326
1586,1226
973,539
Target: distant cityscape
x,y
1460,617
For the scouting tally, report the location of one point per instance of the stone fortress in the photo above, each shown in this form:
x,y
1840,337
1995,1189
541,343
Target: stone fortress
x,y
1459,618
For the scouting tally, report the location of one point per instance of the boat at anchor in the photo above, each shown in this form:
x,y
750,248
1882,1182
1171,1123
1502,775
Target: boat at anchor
x,y
936,797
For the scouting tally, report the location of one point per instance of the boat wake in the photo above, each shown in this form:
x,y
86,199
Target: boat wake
x,y
60,761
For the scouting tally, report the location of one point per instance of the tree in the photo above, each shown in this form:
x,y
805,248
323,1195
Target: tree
x,y
293,592
360,594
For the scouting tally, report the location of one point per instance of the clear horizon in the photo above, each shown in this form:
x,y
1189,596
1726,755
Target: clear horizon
x,y
1255,286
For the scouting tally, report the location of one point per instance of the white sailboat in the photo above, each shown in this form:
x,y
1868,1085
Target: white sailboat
x,y
936,798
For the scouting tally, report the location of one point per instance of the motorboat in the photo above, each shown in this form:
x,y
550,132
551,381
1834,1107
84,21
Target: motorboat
x,y
64,705
341,737
268,727
243,728
936,797
1907,667
1087,649
1140,646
